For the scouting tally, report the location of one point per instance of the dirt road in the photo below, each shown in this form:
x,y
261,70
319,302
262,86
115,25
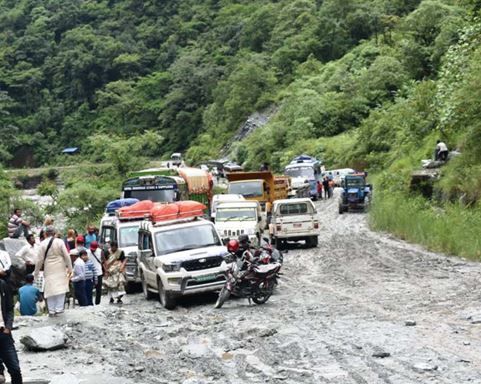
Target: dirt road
x,y
360,308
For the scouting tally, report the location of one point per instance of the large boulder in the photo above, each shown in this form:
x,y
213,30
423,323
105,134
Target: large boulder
x,y
12,246
44,339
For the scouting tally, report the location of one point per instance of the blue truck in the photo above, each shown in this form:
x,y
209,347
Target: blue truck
x,y
356,194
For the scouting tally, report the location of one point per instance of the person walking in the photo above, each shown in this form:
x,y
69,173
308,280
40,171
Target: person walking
x,y
17,226
115,273
78,278
8,354
96,256
29,296
90,277
28,253
55,261
325,186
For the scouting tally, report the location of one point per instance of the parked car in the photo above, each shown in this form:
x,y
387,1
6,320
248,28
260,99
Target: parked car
x,y
238,218
294,220
180,257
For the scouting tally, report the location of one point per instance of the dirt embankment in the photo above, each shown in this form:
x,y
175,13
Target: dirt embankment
x,y
360,308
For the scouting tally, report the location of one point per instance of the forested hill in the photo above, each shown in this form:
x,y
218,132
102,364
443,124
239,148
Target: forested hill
x,y
72,67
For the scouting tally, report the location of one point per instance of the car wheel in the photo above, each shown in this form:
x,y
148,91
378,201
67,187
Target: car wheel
x,y
147,294
165,298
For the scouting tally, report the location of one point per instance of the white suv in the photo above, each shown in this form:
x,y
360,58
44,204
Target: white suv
x,y
180,257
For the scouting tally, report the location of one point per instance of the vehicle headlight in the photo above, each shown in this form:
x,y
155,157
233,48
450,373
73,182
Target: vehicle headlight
x,y
174,267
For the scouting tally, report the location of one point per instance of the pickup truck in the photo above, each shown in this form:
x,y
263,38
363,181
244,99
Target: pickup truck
x,y
294,220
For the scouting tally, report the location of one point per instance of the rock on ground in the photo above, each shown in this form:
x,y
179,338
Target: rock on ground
x,y
44,339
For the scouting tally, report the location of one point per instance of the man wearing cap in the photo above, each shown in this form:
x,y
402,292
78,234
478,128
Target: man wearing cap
x,y
55,260
8,354
96,256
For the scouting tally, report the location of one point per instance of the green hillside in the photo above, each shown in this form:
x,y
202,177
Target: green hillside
x,y
369,84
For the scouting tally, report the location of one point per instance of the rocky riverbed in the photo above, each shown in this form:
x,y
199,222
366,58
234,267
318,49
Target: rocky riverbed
x,y
363,307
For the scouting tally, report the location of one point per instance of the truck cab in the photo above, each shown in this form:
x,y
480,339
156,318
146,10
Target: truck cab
x,y
356,194
180,257
294,220
233,219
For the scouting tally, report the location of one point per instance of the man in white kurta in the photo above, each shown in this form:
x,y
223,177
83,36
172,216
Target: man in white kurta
x,y
57,268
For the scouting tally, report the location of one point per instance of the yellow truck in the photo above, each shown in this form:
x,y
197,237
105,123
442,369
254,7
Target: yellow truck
x,y
260,186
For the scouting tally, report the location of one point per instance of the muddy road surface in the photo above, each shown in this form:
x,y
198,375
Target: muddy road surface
x,y
361,308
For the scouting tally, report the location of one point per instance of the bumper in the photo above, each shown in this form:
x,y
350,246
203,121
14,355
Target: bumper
x,y
187,283
296,236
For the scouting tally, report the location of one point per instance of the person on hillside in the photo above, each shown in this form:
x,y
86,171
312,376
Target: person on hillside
x,y
90,277
115,273
78,278
8,354
17,226
57,266
441,152
29,296
28,253
97,257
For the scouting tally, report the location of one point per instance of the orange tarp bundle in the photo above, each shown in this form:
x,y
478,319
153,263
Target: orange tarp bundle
x,y
178,210
137,210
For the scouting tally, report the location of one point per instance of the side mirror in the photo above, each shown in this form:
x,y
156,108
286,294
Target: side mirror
x,y
146,253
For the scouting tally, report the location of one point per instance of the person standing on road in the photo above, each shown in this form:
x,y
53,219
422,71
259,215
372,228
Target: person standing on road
x,y
319,189
28,253
70,239
325,186
90,236
331,188
96,256
90,277
115,273
57,266
78,278
17,226
8,354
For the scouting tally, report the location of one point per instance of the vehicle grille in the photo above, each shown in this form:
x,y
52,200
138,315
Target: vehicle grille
x,y
236,233
202,263
218,279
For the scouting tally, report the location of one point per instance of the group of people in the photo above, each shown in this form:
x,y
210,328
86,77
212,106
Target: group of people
x,y
53,265
325,187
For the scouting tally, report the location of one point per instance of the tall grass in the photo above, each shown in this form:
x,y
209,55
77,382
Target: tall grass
x,y
453,229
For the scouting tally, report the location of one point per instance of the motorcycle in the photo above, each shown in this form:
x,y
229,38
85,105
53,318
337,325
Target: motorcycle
x,y
252,276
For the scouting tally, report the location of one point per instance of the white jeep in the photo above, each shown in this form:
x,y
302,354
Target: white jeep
x,y
294,220
239,218
180,257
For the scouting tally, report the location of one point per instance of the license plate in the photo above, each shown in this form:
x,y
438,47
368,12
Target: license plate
x,y
297,225
205,278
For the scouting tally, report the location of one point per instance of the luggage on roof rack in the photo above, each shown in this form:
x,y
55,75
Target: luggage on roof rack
x,y
136,211
178,210
112,206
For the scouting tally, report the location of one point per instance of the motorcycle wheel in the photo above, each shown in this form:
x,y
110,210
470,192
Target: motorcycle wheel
x,y
223,296
263,294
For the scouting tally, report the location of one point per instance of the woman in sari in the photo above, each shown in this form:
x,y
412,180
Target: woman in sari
x,y
115,273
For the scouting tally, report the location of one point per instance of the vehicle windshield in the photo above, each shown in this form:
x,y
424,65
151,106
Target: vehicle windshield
x,y
247,188
182,239
306,172
236,214
128,236
355,182
162,195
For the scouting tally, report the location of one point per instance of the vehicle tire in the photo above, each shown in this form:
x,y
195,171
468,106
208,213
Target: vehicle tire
x,y
224,294
261,297
131,287
341,210
278,243
165,298
314,241
147,294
